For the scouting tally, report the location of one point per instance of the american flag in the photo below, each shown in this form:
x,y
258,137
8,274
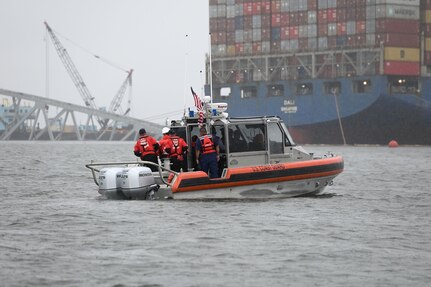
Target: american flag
x,y
199,107
198,102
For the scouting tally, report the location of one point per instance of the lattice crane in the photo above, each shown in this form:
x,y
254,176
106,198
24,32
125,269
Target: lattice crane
x,y
71,69
118,98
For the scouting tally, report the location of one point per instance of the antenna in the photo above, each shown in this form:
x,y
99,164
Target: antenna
x,y
211,73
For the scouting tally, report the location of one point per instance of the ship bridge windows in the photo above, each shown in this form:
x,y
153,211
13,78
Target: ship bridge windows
x,y
331,88
248,92
401,85
304,89
275,90
221,92
362,86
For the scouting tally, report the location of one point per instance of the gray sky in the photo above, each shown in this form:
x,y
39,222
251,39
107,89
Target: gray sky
x,y
148,36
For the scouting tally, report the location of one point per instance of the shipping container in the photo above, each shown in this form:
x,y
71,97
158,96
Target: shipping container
x,y
402,54
401,68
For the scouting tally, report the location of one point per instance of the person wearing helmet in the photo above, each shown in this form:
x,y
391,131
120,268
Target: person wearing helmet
x,y
146,148
165,144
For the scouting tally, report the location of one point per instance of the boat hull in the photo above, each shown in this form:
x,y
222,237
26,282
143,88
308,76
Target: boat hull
x,y
260,182
375,117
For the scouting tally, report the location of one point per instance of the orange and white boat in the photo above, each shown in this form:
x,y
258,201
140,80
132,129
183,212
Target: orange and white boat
x,y
258,159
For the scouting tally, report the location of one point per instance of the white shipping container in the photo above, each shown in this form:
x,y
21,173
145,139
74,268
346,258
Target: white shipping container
x,y
303,31
312,17
312,30
257,21
239,10
221,10
213,11
312,43
397,12
399,2
266,47
257,35
370,12
248,35
285,45
230,11
322,43
332,29
239,36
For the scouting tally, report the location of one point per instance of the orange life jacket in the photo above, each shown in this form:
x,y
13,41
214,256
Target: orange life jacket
x,y
207,144
147,145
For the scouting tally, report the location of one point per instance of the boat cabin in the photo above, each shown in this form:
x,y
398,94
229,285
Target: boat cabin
x,y
243,142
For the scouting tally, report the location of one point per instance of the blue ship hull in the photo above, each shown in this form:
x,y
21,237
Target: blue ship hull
x,y
376,116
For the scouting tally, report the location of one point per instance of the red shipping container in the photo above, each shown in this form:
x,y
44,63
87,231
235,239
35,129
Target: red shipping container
x,y
257,7
213,25
341,28
426,4
293,32
401,68
322,16
275,6
302,18
427,29
248,22
293,19
397,26
322,30
257,47
360,27
361,13
230,25
266,21
266,7
312,4
284,33
398,40
284,19
332,15
248,8
341,14
275,20
239,49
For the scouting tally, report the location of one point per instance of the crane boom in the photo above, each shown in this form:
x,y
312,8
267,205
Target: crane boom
x,y
118,98
71,69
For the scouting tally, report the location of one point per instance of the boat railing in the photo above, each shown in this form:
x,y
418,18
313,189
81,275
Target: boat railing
x,y
95,168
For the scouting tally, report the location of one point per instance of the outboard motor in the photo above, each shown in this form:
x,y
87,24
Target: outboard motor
x,y
138,183
110,182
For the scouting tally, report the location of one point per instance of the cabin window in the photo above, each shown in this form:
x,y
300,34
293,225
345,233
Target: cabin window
x,y
304,89
362,87
403,86
331,88
275,90
246,137
248,92
275,136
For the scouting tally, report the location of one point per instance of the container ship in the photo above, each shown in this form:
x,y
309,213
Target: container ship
x,y
336,71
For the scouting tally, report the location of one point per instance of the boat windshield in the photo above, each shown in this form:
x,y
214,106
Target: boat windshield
x,y
246,137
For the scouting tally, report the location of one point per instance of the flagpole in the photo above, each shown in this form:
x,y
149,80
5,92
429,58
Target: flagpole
x,y
185,73
211,71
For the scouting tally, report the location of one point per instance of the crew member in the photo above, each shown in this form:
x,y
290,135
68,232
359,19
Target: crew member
x,y
207,153
146,148
178,151
165,144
